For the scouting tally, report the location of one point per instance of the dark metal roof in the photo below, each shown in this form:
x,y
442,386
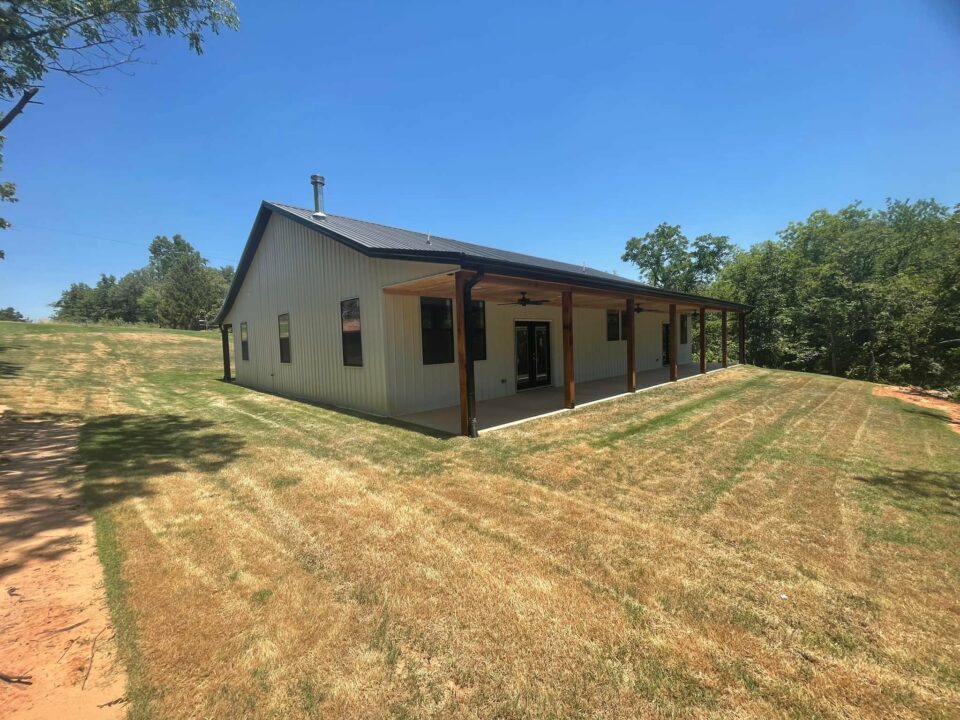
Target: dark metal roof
x,y
384,241
384,237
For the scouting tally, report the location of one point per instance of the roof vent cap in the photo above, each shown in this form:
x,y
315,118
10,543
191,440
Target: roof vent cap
x,y
317,182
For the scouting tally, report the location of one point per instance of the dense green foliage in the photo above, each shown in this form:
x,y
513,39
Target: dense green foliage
x,y
177,288
666,258
35,35
9,313
856,293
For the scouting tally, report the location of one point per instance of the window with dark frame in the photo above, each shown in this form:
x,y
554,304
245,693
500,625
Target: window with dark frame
x,y
284,326
350,332
683,330
478,329
244,344
436,330
613,325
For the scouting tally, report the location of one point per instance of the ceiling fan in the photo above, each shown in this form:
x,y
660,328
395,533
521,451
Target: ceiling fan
x,y
523,301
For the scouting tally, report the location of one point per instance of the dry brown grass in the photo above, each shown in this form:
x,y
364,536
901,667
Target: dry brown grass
x,y
752,543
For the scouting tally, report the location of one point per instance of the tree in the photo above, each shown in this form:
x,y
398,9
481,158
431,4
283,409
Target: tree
x,y
75,303
164,253
190,293
177,288
856,293
666,260
662,257
8,313
81,38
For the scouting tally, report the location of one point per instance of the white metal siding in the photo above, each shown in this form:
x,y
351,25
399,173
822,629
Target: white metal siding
x,y
298,271
413,386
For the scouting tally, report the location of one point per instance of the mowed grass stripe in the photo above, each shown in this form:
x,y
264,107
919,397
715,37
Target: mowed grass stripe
x,y
681,412
362,569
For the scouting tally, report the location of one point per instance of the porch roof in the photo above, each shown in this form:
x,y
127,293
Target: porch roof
x,y
506,289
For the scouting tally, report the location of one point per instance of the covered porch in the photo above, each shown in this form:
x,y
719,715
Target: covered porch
x,y
502,412
508,286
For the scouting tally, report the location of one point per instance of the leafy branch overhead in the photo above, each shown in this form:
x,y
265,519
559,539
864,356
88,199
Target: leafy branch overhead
x,y
84,37
81,38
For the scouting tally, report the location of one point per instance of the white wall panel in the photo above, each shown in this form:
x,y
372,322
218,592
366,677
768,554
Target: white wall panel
x,y
300,272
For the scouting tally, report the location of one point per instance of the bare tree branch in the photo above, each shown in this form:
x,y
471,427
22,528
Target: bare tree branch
x,y
18,108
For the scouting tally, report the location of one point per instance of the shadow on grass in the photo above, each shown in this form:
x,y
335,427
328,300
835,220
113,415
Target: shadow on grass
x,y
917,489
52,466
9,369
355,414
121,452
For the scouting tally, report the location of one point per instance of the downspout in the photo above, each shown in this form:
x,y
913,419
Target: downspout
x,y
468,322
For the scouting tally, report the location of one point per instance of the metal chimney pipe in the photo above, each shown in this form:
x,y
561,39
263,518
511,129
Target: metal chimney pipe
x,y
317,182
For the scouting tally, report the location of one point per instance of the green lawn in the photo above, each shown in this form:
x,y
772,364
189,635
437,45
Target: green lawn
x,y
751,543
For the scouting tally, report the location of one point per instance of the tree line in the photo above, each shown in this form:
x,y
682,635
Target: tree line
x,y
177,288
859,293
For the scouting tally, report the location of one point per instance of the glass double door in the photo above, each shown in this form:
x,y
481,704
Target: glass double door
x,y
532,353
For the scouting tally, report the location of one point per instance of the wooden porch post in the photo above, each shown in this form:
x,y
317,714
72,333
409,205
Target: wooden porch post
x,y
631,346
460,322
723,336
742,332
703,339
225,341
569,389
674,342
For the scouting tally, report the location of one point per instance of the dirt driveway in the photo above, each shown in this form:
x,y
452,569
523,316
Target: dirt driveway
x,y
58,655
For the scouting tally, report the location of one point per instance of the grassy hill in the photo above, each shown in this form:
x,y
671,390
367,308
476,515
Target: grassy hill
x,y
750,543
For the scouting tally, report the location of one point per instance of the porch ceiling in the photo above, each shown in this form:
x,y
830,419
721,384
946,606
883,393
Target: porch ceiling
x,y
506,289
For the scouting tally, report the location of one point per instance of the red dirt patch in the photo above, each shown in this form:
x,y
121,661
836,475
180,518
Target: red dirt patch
x,y
917,397
55,630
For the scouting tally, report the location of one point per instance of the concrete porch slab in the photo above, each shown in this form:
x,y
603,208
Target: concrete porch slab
x,y
528,405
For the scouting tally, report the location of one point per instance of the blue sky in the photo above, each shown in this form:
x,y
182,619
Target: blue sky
x,y
554,128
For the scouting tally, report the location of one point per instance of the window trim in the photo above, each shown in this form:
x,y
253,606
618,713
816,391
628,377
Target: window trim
x,y
684,329
453,354
281,338
344,333
244,342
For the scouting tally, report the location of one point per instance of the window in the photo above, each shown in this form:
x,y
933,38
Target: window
x,y
478,327
284,321
436,330
350,332
244,345
683,330
613,325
